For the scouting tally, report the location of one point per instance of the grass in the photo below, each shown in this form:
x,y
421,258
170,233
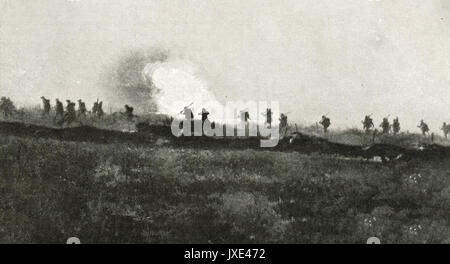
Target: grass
x,y
120,193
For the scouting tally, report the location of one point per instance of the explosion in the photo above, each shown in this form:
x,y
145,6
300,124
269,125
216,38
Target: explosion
x,y
176,84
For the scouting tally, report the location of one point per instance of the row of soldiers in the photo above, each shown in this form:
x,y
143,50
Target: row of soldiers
x,y
244,116
325,122
386,126
70,114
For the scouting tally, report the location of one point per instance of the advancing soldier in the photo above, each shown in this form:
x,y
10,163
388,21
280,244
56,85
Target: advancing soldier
x,y
100,111
46,104
424,127
70,114
367,123
59,110
129,112
95,108
7,107
283,120
268,115
385,125
283,123
204,115
446,129
325,122
81,108
245,116
396,126
188,115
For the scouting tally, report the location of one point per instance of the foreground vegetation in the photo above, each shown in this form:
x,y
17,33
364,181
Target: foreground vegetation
x,y
119,193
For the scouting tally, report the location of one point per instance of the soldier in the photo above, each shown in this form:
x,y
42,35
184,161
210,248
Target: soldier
x,y
446,129
283,120
283,123
70,114
46,104
95,108
204,115
245,116
59,109
325,122
396,126
269,117
100,111
424,127
7,107
367,123
129,112
188,115
385,125
81,108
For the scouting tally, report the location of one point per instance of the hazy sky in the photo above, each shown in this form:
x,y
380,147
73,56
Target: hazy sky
x,y
343,57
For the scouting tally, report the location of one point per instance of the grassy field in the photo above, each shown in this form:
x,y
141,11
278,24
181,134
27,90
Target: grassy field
x,y
120,193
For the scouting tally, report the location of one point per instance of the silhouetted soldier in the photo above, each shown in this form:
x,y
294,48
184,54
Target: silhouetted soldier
x,y
70,114
283,123
7,107
100,111
188,118
204,115
367,123
188,115
81,108
46,104
385,126
268,115
396,126
95,108
446,129
424,127
59,108
245,116
283,120
325,122
129,112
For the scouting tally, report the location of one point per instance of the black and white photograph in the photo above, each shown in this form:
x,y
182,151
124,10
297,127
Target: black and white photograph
x,y
220,122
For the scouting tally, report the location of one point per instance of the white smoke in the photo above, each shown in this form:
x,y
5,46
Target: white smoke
x,y
176,85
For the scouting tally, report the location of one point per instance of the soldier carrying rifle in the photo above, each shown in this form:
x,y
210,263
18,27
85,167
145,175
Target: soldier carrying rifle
x,y
367,123
325,122
424,127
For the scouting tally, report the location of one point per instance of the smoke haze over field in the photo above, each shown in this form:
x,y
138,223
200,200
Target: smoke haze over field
x,y
348,58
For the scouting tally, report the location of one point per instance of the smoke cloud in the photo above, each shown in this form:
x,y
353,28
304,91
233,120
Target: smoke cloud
x,y
155,80
125,80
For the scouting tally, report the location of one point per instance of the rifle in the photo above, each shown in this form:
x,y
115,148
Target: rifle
x,y
187,107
